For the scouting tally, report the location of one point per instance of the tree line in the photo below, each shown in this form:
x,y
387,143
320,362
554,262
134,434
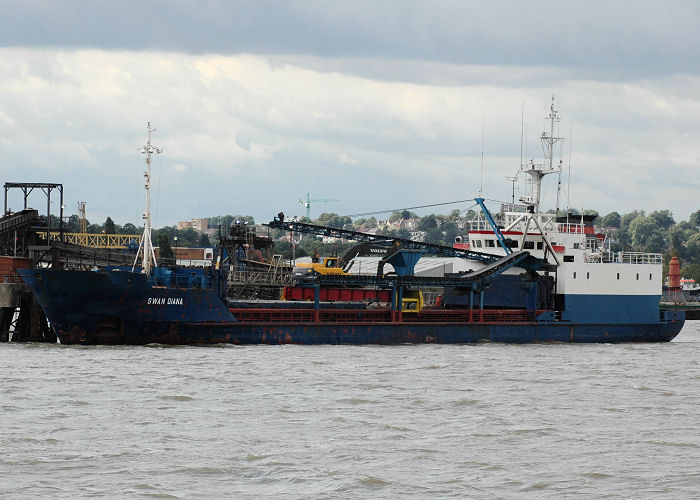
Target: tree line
x,y
636,231
656,232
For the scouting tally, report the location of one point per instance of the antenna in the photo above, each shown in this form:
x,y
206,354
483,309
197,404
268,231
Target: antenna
x,y
149,255
537,171
556,208
548,141
483,128
512,179
568,187
561,153
522,131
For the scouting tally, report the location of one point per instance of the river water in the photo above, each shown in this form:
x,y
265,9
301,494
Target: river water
x,y
428,421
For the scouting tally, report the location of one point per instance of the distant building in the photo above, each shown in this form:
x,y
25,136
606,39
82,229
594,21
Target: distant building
x,y
199,225
407,224
417,235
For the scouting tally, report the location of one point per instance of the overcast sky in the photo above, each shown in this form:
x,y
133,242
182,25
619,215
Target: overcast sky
x,y
376,105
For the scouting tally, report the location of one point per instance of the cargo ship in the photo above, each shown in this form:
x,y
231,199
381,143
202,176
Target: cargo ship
x,y
534,277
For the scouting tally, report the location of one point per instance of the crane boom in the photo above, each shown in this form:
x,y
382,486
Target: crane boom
x,y
388,241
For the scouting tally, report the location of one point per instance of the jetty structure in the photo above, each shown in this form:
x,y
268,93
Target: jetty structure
x,y
30,239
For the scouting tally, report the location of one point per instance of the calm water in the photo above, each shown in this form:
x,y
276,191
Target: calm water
x,y
475,421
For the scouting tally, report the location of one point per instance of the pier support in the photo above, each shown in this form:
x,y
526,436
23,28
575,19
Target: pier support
x,y
6,315
21,317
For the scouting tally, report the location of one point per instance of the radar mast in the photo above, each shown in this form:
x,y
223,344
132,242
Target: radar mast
x,y
149,256
537,171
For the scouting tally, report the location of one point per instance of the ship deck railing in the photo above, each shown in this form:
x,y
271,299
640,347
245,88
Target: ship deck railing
x,y
513,208
427,315
273,275
570,228
605,257
638,258
547,222
480,224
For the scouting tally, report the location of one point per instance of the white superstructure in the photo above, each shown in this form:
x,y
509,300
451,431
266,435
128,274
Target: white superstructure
x,y
584,266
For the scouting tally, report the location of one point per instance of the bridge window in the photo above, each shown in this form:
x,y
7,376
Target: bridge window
x,y
539,245
529,245
477,243
568,258
490,243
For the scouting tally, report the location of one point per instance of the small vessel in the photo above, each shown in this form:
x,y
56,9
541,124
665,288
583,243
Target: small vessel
x,y
689,285
535,278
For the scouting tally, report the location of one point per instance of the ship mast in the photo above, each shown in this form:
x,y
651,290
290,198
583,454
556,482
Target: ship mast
x,y
149,256
537,171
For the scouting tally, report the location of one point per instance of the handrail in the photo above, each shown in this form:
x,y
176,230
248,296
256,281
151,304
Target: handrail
x,y
310,315
567,227
639,258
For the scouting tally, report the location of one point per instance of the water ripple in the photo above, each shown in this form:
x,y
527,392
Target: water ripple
x,y
479,421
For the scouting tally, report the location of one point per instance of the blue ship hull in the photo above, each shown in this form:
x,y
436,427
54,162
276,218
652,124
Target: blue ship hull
x,y
123,308
397,333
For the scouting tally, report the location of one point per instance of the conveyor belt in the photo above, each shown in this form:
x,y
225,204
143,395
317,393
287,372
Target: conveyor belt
x,y
18,220
427,248
476,280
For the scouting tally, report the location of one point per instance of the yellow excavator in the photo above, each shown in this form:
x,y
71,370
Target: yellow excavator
x,y
305,272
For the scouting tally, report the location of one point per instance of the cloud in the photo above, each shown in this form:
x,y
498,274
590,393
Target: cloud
x,y
623,38
253,133
346,159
